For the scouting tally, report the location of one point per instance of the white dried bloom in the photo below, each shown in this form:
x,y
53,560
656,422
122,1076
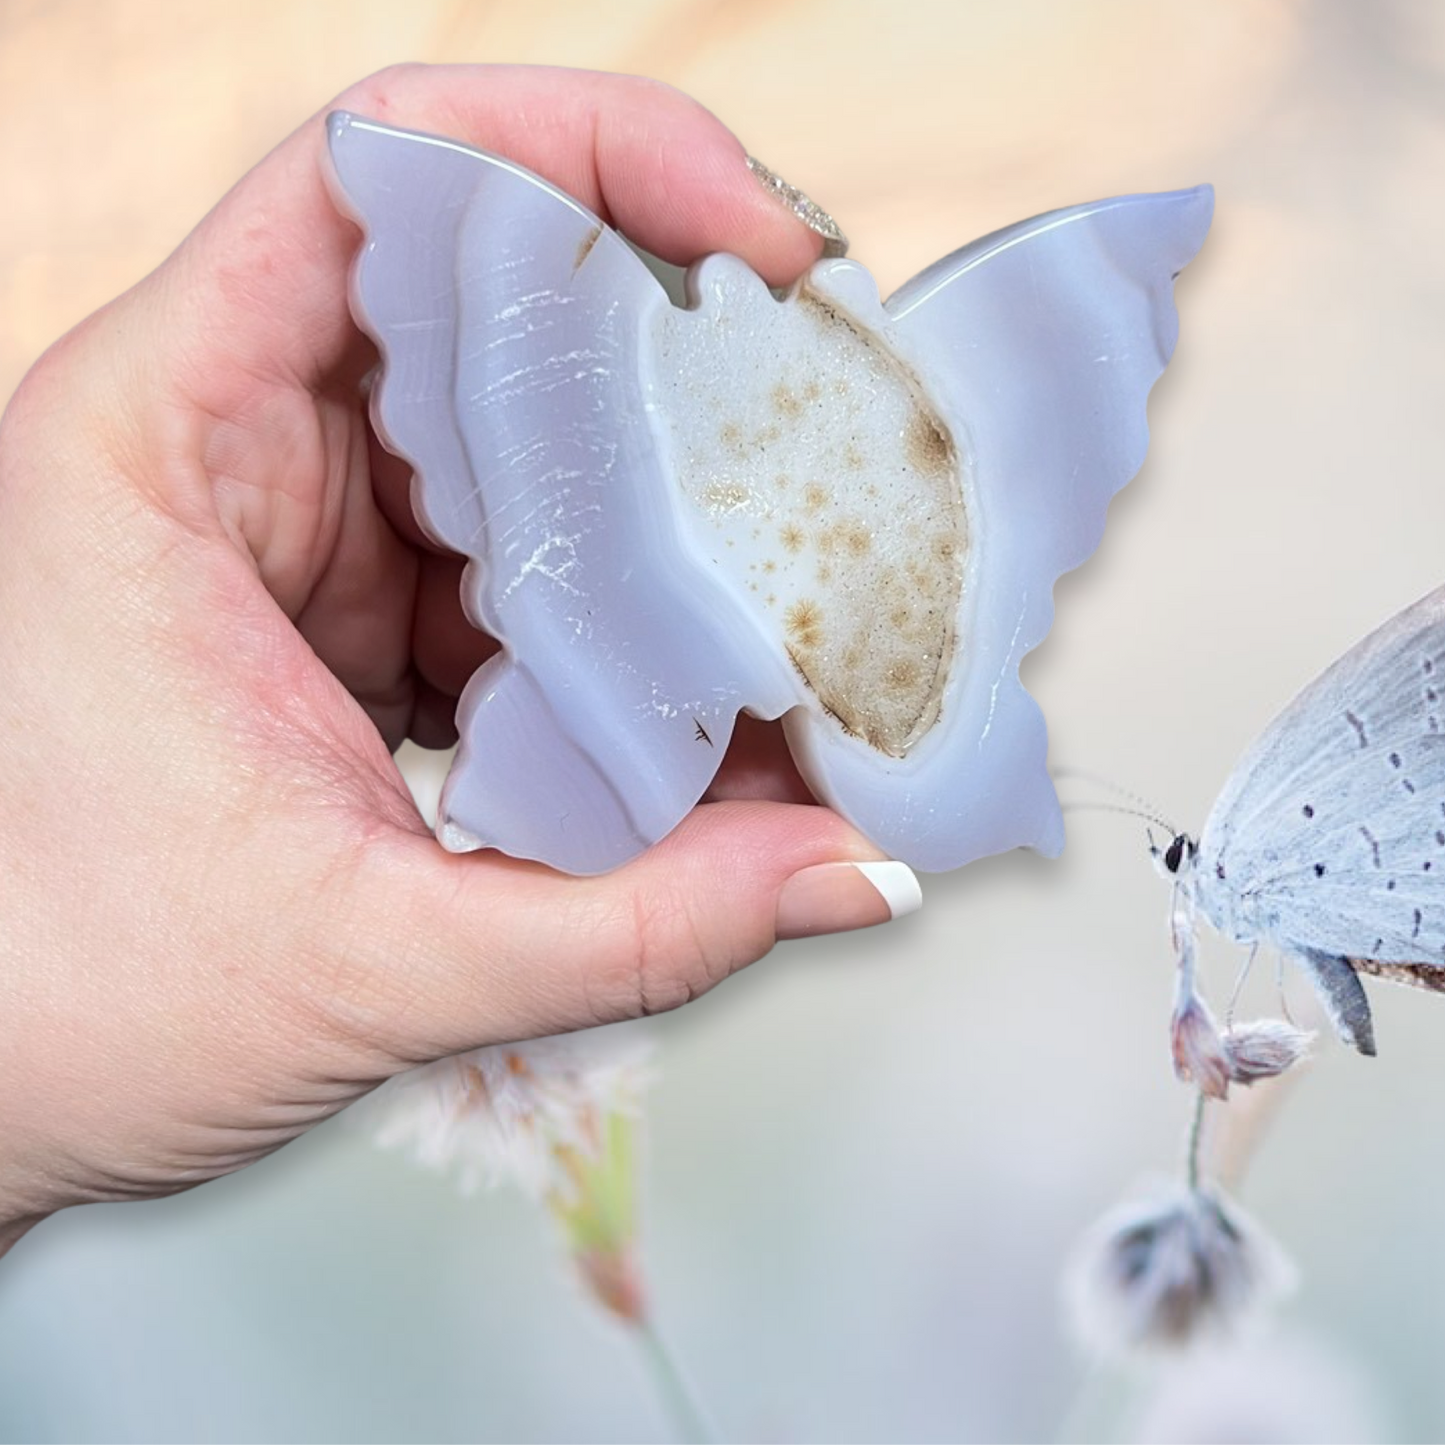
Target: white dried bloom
x,y
1264,1049
1199,1054
1183,1265
514,1113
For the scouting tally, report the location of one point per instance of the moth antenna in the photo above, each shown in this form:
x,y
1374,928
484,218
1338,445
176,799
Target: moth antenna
x,y
1085,806
1144,808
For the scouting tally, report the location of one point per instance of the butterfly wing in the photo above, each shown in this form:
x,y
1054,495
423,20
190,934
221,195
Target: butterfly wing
x,y
510,319
1040,344
1330,834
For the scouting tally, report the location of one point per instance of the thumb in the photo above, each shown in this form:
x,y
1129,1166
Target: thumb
x,y
449,952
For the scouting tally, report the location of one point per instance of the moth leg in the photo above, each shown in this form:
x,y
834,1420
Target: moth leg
x,y
1239,982
1343,996
1279,989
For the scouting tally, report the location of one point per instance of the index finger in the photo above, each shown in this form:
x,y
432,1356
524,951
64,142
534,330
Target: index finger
x,y
270,261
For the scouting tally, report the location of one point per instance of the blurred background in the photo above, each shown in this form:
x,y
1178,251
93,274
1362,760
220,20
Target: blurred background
x,y
869,1157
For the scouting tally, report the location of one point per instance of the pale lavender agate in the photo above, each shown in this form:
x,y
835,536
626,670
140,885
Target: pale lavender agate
x,y
847,514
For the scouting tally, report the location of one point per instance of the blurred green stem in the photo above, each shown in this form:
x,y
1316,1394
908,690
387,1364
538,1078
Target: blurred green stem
x,y
687,1416
1196,1139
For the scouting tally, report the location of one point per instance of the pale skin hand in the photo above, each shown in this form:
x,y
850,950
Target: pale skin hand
x,y
222,917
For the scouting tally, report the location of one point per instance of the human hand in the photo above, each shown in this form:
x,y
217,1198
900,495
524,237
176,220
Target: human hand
x,y
223,917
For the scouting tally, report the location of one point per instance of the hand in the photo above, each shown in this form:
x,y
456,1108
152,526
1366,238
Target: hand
x,y
223,918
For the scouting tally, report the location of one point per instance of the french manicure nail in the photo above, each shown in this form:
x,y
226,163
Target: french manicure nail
x,y
809,212
836,897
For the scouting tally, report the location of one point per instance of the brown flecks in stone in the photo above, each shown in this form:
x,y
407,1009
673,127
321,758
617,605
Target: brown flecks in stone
x,y
855,504
926,446
901,676
786,402
804,621
585,249
725,496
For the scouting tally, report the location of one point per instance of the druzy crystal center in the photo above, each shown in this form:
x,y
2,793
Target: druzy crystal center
x,y
821,480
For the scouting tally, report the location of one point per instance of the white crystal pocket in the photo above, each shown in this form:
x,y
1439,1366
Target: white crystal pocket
x,y
847,514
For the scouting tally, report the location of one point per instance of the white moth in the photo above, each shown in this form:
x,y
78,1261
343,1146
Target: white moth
x,y
1328,841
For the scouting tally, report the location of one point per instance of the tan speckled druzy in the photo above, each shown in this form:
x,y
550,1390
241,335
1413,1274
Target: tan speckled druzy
x,y
822,480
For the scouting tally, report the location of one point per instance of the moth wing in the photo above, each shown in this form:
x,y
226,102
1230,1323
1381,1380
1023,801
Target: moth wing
x,y
1333,823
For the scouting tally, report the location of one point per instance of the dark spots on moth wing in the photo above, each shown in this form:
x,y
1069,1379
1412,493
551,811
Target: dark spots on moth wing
x,y
1369,837
1379,944
1426,866
1394,760
1440,837
1359,728
1219,871
1319,870
1415,932
1408,786
1308,810
1427,666
1390,886
585,249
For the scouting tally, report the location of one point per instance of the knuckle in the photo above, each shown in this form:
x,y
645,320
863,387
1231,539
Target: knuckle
x,y
378,93
661,957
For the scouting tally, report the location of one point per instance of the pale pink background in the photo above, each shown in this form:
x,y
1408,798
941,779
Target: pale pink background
x,y
869,1155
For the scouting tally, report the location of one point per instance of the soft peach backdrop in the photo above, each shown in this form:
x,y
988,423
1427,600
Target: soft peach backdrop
x,y
869,1155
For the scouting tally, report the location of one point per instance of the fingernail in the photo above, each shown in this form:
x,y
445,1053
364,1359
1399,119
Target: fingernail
x,y
809,212
834,897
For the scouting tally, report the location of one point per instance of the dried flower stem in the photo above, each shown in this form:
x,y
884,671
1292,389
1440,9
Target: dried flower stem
x,y
1194,1147
681,1405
